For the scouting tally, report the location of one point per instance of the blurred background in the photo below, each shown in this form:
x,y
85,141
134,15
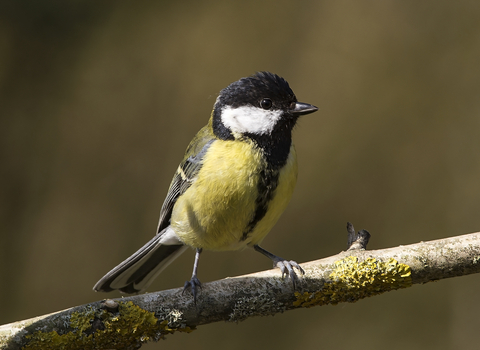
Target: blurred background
x,y
99,99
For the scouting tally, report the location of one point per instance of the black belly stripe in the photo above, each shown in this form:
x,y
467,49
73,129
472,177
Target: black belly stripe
x,y
267,185
275,149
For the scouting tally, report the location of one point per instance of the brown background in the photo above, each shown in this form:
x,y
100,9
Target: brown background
x,y
99,99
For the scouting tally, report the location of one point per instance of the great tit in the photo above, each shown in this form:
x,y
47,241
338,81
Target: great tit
x,y
236,179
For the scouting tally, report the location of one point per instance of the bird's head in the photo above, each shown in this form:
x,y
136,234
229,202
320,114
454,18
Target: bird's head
x,y
262,105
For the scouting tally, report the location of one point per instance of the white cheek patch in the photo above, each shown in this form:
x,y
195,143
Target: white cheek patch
x,y
250,119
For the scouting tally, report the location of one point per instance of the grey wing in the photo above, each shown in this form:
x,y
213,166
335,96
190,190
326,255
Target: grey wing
x,y
184,177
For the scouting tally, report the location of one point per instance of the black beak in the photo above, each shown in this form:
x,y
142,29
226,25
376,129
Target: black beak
x,y
303,108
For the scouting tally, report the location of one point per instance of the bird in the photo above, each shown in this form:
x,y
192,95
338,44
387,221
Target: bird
x,y
234,182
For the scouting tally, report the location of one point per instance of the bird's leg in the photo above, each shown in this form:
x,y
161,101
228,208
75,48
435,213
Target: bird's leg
x,y
284,265
194,282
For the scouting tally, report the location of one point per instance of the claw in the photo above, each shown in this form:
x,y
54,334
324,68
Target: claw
x,y
285,266
192,285
282,267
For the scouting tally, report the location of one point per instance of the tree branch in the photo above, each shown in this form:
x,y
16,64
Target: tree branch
x,y
126,323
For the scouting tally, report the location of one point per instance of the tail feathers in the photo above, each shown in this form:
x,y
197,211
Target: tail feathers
x,y
138,271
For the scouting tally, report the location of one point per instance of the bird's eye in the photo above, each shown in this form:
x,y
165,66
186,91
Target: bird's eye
x,y
266,103
292,105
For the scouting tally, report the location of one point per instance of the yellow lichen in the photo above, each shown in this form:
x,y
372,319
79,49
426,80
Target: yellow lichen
x,y
352,281
82,321
125,329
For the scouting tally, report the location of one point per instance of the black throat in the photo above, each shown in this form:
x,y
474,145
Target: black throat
x,y
275,146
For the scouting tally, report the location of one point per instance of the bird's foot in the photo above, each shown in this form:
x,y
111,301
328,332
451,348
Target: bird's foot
x,y
193,285
287,268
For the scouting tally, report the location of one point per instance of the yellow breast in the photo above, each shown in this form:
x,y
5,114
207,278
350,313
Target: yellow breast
x,y
215,211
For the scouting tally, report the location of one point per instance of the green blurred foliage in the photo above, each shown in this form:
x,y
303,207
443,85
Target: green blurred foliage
x,y
99,99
